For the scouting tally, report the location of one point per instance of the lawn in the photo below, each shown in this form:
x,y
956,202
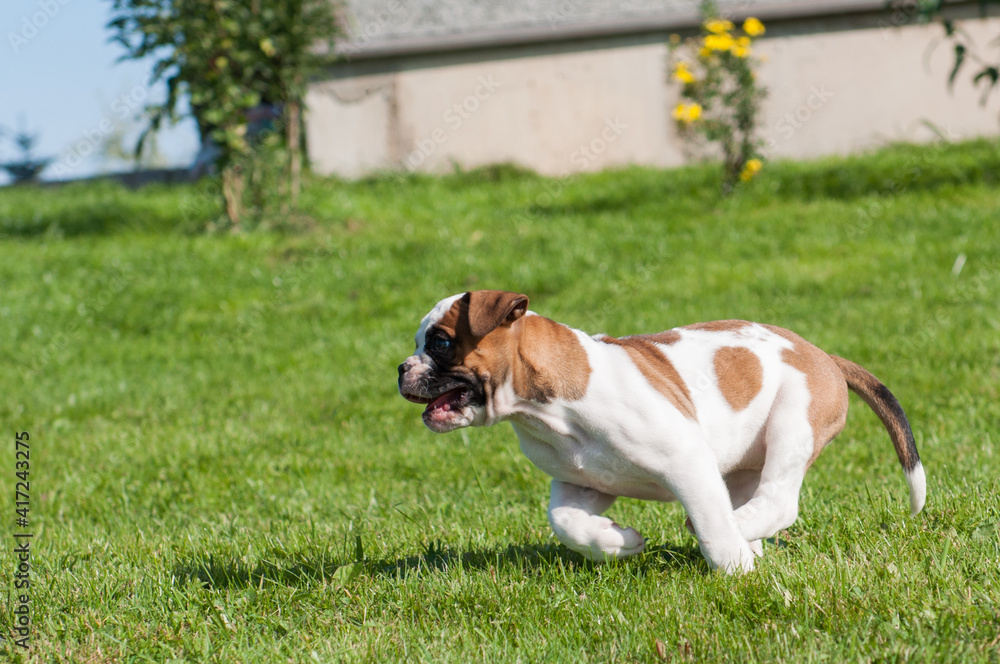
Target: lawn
x,y
222,470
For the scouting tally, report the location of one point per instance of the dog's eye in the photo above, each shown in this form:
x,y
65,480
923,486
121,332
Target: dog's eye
x,y
439,344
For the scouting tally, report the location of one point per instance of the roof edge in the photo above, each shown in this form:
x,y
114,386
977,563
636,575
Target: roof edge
x,y
570,31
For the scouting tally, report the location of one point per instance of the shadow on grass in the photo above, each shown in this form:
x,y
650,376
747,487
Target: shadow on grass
x,y
893,170
84,221
100,208
436,559
523,558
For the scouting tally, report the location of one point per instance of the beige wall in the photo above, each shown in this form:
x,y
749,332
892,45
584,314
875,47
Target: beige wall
x,y
562,109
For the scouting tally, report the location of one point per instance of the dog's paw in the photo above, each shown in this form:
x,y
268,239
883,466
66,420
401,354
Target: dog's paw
x,y
611,541
757,548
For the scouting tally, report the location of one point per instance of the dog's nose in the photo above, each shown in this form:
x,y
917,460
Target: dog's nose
x,y
402,369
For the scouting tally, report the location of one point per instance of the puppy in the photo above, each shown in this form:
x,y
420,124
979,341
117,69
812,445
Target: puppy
x,y
725,417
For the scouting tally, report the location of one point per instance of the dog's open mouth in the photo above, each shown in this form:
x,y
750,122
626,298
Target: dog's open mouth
x,y
454,399
444,407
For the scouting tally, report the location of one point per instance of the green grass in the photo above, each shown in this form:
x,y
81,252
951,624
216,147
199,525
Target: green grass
x,y
223,471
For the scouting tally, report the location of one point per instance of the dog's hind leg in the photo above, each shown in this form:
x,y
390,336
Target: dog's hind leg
x,y
809,410
574,513
775,501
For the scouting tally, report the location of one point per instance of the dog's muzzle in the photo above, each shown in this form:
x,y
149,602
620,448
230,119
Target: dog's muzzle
x,y
449,399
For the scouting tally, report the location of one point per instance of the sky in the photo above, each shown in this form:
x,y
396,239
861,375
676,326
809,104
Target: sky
x,y
60,78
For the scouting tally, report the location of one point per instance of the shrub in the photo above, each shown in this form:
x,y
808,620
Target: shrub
x,y
720,95
230,58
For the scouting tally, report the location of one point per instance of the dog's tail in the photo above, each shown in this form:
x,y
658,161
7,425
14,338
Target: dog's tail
x,y
880,399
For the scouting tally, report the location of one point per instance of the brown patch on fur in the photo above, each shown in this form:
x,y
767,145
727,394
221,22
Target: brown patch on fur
x,y
551,363
657,370
740,375
477,313
665,338
483,359
489,309
827,388
545,359
718,326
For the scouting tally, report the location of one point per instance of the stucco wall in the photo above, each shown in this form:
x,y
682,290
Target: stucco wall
x,y
588,105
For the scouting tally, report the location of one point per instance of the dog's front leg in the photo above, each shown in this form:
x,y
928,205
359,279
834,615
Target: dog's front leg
x,y
741,484
574,513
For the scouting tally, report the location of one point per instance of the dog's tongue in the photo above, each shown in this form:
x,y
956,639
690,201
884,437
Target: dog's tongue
x,y
442,405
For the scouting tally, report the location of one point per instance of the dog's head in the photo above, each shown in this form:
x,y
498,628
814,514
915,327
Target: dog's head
x,y
463,354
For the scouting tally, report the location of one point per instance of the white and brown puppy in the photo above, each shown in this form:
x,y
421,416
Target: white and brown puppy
x,y
725,417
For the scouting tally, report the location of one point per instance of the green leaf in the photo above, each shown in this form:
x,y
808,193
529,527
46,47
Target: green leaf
x,y
990,73
959,59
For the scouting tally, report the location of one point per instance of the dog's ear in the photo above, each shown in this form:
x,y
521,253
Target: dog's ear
x,y
488,310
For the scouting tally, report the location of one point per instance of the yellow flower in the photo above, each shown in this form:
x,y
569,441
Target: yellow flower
x,y
718,26
741,48
753,27
683,74
718,42
687,113
750,169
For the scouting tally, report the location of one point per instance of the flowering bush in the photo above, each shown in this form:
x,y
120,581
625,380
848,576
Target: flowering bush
x,y
720,96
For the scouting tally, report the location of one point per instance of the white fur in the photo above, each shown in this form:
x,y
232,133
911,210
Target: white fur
x,y
433,316
917,482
